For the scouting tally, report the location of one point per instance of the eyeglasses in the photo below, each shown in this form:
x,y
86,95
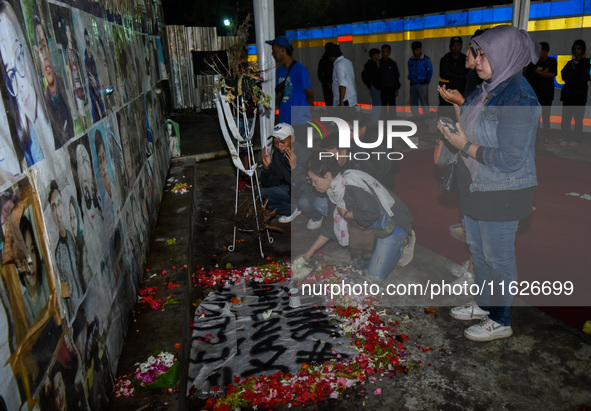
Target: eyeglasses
x,y
90,200
19,68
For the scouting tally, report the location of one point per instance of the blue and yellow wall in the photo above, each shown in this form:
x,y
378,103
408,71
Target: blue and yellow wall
x,y
557,22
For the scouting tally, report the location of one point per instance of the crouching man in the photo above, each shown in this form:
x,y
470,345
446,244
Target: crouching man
x,y
283,176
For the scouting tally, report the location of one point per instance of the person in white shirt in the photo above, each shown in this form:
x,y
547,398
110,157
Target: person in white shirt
x,y
343,78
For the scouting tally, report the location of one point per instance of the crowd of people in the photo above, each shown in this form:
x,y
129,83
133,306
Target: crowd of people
x,y
496,93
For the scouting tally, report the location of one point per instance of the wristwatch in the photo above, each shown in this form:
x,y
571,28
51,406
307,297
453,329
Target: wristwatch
x,y
464,151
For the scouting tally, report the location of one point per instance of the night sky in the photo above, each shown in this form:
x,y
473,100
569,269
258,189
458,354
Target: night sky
x,y
307,13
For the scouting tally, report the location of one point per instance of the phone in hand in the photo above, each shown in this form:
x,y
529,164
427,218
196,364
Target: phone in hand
x,y
449,124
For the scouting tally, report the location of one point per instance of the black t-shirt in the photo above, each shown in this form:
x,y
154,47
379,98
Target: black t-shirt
x,y
575,75
504,205
452,72
390,74
543,86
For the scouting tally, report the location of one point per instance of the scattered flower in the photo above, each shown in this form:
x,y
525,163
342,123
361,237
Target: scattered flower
x,y
123,388
162,367
180,188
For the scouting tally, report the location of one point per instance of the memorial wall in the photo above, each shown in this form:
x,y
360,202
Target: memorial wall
x,y
83,159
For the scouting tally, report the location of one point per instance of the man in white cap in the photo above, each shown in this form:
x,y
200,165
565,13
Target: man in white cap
x,y
283,174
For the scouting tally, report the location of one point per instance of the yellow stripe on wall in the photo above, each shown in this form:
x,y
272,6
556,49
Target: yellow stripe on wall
x,y
298,44
558,24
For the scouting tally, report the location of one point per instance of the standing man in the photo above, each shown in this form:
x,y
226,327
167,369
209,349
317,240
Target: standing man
x,y
452,69
541,77
390,78
372,79
293,84
420,72
574,94
325,76
343,78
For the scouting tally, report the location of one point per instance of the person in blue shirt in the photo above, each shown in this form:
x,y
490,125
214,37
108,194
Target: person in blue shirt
x,y
420,71
294,81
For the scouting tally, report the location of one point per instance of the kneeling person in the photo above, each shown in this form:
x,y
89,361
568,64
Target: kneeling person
x,y
356,199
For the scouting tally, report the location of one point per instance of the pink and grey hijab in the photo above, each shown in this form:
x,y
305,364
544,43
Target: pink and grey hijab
x,y
508,50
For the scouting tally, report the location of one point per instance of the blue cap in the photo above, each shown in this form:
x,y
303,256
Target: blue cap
x,y
281,41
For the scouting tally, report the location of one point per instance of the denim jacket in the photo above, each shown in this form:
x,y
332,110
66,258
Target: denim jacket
x,y
506,129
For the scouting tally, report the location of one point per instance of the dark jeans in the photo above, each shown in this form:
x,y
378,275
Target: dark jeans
x,y
492,245
389,96
327,93
569,113
546,119
306,205
279,199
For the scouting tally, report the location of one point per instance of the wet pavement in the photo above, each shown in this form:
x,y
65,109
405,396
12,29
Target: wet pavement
x,y
544,366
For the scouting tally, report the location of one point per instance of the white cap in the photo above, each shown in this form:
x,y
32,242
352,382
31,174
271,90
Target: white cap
x,y
281,131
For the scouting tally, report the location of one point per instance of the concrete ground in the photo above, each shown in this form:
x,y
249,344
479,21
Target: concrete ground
x,y
546,365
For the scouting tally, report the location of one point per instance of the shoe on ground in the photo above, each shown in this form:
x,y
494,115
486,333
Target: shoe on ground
x,y
408,250
573,144
314,225
487,330
459,270
563,143
289,218
467,312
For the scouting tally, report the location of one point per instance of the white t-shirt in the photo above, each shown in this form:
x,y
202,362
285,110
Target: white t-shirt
x,y
343,75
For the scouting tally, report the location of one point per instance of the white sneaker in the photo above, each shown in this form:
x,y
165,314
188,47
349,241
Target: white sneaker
x,y
289,218
487,330
314,225
470,311
573,144
408,250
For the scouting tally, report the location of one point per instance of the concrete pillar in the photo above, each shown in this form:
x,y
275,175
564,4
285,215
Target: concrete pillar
x,y
521,14
264,25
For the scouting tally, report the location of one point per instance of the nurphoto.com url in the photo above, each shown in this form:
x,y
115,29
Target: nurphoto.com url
x,y
439,289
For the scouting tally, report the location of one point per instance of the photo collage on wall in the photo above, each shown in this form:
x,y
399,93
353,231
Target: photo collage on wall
x,y
83,161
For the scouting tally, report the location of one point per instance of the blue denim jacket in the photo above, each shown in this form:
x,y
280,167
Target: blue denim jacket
x,y
506,128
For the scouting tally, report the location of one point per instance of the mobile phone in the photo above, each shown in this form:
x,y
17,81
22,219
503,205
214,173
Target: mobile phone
x,y
449,124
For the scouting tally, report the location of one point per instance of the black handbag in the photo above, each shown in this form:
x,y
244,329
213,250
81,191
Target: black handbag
x,y
448,180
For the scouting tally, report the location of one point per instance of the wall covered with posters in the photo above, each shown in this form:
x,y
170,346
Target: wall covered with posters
x,y
82,129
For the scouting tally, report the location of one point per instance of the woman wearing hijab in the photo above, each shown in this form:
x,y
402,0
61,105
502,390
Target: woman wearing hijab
x,y
496,173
